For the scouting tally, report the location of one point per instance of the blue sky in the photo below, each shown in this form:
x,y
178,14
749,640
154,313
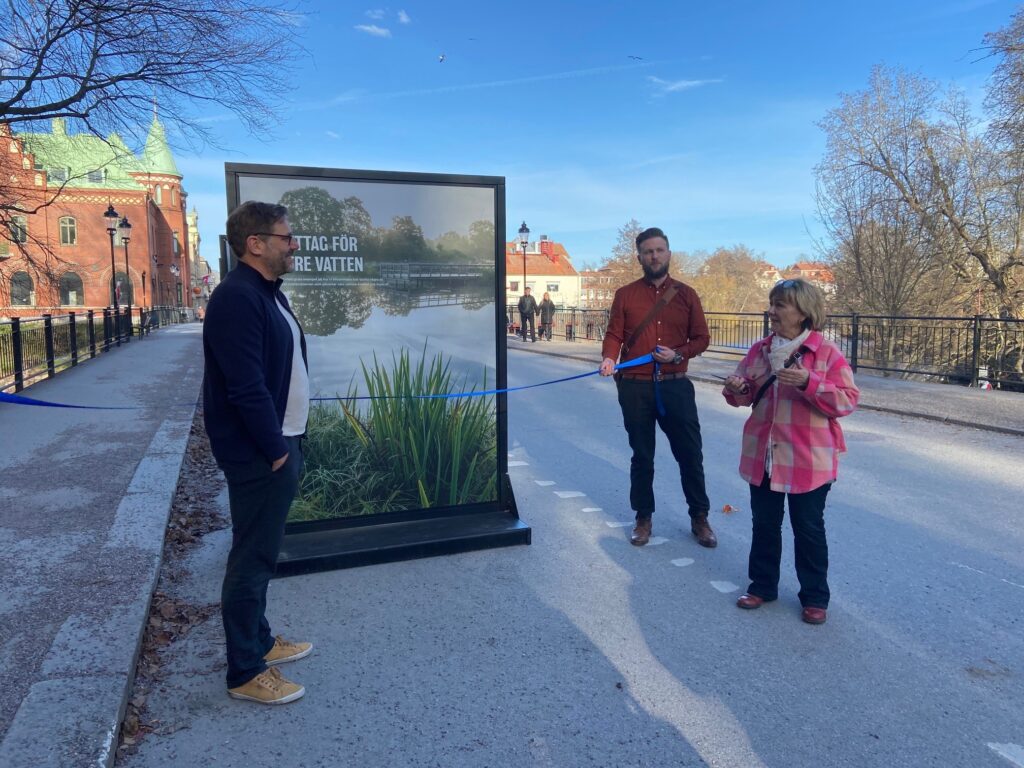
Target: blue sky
x,y
711,134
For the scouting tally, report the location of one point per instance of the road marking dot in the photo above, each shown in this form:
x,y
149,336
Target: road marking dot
x,y
725,587
592,509
569,494
518,464
544,482
682,562
614,524
656,540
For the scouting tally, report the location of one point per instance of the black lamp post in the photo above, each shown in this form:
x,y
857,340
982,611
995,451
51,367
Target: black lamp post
x,y
111,217
524,239
125,230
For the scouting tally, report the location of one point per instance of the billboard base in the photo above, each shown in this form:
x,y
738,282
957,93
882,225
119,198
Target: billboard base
x,y
385,543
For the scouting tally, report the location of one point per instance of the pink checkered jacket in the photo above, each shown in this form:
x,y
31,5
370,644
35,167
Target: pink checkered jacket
x,y
801,425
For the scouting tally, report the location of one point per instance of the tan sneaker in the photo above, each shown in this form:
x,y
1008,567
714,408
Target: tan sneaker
x,y
284,650
268,687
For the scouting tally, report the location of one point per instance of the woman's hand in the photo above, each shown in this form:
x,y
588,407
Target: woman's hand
x,y
737,385
794,376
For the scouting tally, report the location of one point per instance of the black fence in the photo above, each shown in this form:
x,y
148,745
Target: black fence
x,y
957,350
35,348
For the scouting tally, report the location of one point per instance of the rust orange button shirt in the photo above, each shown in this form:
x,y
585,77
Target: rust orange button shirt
x,y
680,324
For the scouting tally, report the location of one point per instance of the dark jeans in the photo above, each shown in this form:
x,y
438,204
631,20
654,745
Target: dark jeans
x,y
807,516
528,318
545,331
259,501
682,427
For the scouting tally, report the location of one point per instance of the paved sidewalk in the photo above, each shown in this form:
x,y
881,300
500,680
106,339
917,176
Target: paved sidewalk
x,y
84,507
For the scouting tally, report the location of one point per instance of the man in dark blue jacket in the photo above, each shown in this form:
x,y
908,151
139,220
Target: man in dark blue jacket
x,y
256,400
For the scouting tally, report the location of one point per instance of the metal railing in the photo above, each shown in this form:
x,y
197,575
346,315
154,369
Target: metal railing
x,y
41,347
955,350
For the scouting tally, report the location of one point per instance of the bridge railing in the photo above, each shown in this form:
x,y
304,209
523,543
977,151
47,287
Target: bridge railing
x,y
956,350
35,348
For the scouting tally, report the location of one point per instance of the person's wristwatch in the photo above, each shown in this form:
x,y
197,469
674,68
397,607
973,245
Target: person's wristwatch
x,y
677,359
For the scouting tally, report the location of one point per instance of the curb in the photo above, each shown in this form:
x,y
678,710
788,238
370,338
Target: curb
x,y
71,718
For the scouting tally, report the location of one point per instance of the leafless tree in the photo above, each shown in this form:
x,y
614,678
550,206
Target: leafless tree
x,y
929,153
103,65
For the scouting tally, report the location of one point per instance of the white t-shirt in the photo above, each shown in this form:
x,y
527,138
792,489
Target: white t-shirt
x,y
297,410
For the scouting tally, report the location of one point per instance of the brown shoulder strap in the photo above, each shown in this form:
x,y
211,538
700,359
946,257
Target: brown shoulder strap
x,y
666,297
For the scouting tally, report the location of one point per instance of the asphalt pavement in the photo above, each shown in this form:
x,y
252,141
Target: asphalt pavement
x,y
84,506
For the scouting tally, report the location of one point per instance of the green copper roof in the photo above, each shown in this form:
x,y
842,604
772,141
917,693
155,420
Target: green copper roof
x,y
157,157
94,163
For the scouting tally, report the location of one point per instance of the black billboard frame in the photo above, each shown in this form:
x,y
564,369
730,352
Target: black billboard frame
x,y
313,546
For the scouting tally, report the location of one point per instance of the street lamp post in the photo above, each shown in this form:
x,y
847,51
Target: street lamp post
x,y
111,217
125,230
524,239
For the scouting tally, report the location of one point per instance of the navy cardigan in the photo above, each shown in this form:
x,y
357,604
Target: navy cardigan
x,y
247,348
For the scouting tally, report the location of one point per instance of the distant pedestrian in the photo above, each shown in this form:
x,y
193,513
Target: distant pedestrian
x,y
547,316
663,317
527,310
798,384
256,400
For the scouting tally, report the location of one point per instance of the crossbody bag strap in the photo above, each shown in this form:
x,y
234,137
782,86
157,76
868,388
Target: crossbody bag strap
x,y
659,305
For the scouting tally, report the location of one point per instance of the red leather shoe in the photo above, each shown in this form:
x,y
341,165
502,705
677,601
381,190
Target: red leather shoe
x,y
749,601
814,615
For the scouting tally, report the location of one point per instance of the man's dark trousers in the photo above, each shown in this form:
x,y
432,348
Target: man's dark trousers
x,y
528,318
682,427
259,501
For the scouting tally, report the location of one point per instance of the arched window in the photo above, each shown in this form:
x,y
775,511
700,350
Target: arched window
x,y
71,292
122,285
68,230
22,290
159,195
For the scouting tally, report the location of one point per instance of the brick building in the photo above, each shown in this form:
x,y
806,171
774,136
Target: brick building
x,y
57,260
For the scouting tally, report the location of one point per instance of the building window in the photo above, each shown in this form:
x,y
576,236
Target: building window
x,y
56,175
177,245
68,231
159,193
71,293
174,197
22,290
95,177
19,229
552,287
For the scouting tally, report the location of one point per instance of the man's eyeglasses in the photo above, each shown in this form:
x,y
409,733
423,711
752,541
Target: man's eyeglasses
x,y
290,238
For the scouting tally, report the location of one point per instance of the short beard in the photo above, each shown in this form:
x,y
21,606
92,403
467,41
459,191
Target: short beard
x,y
651,274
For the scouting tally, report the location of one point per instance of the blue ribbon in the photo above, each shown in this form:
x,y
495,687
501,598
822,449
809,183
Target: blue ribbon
x,y
642,360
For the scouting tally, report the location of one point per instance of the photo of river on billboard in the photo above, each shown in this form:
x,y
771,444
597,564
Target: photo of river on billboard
x,y
394,285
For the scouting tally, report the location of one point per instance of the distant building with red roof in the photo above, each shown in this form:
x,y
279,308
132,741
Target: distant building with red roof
x,y
813,272
547,268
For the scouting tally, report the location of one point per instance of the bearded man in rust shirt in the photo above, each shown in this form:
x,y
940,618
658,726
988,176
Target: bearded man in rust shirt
x,y
659,393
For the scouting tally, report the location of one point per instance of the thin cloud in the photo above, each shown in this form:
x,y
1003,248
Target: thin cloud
x,y
674,86
403,18
376,13
374,30
332,135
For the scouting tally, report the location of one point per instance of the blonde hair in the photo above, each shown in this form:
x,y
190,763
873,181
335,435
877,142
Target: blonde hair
x,y
806,297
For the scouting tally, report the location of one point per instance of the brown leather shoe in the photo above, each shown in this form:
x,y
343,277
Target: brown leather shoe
x,y
702,530
814,615
749,601
641,533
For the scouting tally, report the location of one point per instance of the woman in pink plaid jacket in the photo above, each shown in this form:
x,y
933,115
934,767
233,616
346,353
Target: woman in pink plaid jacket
x,y
798,384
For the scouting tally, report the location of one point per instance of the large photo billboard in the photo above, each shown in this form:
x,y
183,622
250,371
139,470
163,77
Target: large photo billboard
x,y
396,285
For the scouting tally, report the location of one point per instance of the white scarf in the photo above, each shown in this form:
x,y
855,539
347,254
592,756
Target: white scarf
x,y
780,351
782,348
